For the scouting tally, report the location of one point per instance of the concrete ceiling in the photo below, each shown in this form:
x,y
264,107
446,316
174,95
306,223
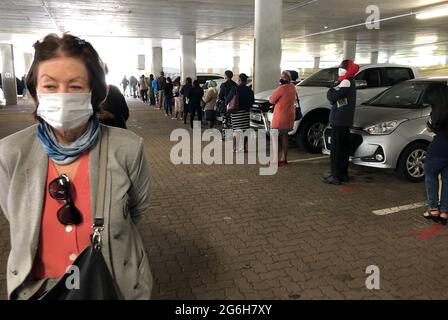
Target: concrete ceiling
x,y
314,25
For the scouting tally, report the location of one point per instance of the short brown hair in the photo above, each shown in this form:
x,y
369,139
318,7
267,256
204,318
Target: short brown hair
x,y
53,46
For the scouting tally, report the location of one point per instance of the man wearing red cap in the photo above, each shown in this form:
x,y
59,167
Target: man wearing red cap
x,y
343,100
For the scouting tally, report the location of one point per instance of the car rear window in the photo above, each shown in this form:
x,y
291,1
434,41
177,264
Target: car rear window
x,y
323,78
404,95
393,76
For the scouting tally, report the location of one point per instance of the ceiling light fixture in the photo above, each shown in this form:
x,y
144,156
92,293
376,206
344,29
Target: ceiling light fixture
x,y
433,13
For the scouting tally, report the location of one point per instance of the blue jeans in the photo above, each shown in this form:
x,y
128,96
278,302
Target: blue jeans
x,y
433,168
169,105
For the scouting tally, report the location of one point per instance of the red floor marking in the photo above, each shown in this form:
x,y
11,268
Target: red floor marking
x,y
350,187
428,233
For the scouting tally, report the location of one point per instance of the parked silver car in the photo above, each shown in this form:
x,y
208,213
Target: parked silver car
x,y
390,131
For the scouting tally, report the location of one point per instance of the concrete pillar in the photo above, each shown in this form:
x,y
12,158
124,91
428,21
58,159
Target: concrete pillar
x,y
8,75
157,61
316,63
236,66
28,58
268,44
374,57
141,62
188,56
349,49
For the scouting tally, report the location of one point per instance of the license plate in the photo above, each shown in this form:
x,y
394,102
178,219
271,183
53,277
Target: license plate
x,y
255,117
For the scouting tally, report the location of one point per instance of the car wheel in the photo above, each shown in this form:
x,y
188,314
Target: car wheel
x,y
412,162
310,133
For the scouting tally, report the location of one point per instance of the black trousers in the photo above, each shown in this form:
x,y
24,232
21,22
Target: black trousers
x,y
144,95
340,151
152,97
195,110
186,112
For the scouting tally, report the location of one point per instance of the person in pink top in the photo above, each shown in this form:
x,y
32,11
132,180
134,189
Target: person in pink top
x,y
284,99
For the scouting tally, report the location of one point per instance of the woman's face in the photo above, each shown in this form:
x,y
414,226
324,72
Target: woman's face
x,y
62,75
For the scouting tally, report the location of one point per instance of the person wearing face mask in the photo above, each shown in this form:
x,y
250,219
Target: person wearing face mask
x,y
114,111
224,91
53,173
241,117
343,100
283,99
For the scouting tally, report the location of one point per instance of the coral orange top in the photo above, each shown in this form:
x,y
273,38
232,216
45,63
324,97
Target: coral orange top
x,y
284,99
60,245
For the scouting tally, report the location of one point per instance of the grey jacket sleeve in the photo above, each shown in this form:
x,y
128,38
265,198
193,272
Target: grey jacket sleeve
x,y
139,192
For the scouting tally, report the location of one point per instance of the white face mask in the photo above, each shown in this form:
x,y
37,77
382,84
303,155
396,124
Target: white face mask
x,y
342,72
65,111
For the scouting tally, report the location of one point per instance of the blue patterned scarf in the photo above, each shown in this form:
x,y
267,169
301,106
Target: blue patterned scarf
x,y
66,154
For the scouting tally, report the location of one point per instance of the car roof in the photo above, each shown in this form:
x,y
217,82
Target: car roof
x,y
210,74
432,79
379,65
382,65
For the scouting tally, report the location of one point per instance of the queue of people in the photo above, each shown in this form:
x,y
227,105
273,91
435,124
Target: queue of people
x,y
190,101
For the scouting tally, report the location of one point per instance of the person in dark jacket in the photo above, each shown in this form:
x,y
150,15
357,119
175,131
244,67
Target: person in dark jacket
x,y
436,163
152,90
343,100
161,84
224,91
115,111
169,95
241,118
195,98
185,91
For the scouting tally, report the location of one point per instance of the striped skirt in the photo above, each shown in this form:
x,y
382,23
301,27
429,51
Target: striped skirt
x,y
241,120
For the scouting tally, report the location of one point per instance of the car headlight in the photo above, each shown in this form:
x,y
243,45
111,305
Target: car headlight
x,y
384,128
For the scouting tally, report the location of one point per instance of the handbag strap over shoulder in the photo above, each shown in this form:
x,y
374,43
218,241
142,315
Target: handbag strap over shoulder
x,y
98,223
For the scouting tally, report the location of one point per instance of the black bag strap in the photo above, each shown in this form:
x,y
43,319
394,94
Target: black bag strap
x,y
297,100
98,223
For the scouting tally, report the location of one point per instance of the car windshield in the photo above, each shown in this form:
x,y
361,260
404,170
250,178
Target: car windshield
x,y
323,78
404,95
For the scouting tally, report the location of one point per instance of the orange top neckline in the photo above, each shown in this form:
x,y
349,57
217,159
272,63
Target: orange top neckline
x,y
60,245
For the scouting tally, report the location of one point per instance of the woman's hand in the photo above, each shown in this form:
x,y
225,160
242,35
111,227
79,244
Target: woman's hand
x,y
105,115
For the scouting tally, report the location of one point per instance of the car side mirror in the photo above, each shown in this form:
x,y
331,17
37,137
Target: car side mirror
x,y
361,84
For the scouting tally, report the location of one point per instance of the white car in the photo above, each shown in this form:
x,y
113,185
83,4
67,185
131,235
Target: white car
x,y
371,80
203,78
2,98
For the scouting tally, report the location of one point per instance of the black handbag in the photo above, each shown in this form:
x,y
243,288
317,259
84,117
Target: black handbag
x,y
95,280
221,107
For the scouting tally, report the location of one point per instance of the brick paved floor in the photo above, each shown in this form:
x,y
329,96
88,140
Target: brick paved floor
x,y
225,232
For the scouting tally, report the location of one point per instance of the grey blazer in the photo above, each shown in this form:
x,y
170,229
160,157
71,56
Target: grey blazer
x,y
23,173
